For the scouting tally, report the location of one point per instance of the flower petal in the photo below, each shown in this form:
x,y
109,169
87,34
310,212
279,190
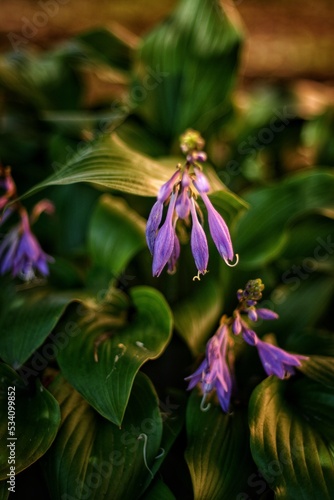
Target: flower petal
x,y
164,243
264,313
219,231
199,244
153,223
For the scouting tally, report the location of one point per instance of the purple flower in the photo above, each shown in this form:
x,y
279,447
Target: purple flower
x,y
219,232
275,360
174,256
153,224
21,253
180,193
167,188
165,241
199,244
213,373
266,314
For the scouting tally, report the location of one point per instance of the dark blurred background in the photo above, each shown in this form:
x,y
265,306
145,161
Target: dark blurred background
x,y
285,39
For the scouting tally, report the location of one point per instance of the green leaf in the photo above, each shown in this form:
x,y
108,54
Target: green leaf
x,y
197,315
36,418
310,297
217,453
93,458
108,162
46,82
186,67
159,491
101,362
290,453
271,211
4,493
320,369
105,45
27,318
116,234
316,402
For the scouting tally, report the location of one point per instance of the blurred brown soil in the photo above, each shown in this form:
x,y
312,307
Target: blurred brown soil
x,y
284,39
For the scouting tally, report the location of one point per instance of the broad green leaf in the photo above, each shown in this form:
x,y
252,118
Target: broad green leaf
x,y
217,453
307,246
101,362
320,368
262,232
301,303
109,163
4,492
158,491
316,402
196,316
116,234
105,45
36,417
46,81
318,343
290,453
27,318
186,67
93,458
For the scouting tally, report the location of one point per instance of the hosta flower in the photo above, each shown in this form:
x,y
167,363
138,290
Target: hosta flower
x,y
21,254
275,360
213,372
180,194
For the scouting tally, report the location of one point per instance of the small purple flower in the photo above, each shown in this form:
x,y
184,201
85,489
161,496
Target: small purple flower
x,y
174,256
213,373
167,188
153,224
219,232
21,253
275,360
266,314
165,241
199,244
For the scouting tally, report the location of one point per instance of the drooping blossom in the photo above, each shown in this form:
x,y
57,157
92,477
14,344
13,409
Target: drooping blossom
x,y
20,251
180,193
275,361
21,254
213,373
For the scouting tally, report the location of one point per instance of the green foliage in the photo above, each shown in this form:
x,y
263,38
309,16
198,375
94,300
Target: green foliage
x,y
36,422
217,452
98,350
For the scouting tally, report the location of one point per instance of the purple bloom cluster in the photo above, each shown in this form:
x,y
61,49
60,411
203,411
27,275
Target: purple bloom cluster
x,y
180,193
20,252
215,373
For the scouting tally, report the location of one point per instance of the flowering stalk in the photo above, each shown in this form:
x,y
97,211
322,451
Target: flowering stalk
x,y
180,192
215,371
20,252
